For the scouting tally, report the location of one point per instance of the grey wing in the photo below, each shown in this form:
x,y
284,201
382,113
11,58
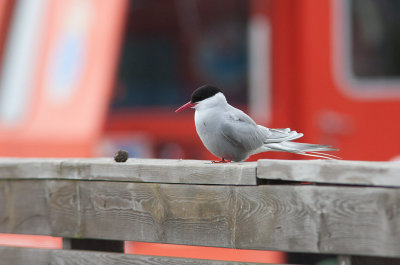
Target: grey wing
x,y
280,135
240,130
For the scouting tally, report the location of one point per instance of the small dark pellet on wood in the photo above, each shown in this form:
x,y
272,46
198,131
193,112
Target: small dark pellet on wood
x,y
121,156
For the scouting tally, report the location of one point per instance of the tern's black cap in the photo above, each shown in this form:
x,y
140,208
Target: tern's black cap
x,y
204,92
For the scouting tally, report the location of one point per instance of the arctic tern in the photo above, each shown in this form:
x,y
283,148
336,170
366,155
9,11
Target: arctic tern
x,y
232,135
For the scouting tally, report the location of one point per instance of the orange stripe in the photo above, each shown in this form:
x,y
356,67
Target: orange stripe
x,y
182,251
31,241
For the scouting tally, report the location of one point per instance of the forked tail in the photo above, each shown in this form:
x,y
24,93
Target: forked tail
x,y
303,149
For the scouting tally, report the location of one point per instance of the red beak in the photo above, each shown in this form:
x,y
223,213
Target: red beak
x,y
186,106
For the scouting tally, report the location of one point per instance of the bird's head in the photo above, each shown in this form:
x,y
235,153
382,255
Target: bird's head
x,y
202,95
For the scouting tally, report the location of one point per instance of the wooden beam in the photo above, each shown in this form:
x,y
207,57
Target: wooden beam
x,y
134,170
204,172
164,213
331,171
319,219
298,218
364,260
31,256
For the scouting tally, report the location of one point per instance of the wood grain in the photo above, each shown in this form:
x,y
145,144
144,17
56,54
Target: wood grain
x,y
363,260
204,172
165,213
316,219
24,208
180,214
300,218
331,171
134,170
20,256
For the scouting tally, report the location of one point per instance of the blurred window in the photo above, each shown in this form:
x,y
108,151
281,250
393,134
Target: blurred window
x,y
171,47
375,38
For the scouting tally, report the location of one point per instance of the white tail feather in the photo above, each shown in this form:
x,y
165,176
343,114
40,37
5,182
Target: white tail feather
x,y
313,150
327,155
319,155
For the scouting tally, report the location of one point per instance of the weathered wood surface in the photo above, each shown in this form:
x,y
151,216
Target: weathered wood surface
x,y
31,256
134,170
363,260
295,218
331,171
204,172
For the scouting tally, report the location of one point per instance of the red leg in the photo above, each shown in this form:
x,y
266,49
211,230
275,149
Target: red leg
x,y
223,160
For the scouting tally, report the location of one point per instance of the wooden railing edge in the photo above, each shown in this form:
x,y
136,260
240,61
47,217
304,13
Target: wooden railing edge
x,y
283,216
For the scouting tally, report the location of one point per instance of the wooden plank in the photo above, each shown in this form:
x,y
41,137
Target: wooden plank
x,y
363,260
13,255
164,213
300,218
331,171
319,219
24,208
134,170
